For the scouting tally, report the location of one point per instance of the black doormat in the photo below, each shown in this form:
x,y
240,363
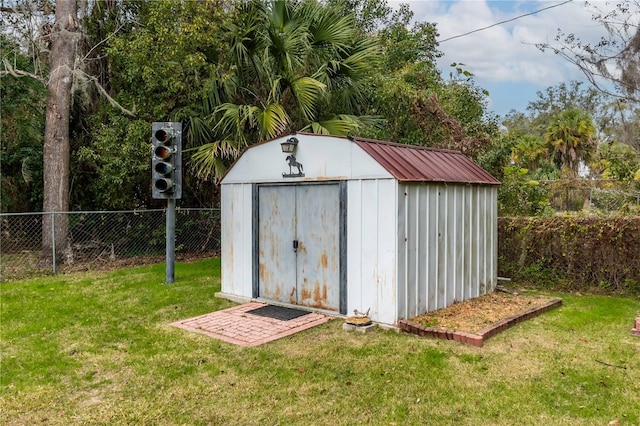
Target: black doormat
x,y
278,312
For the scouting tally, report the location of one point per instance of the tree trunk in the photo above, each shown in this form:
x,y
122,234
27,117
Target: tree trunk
x,y
64,39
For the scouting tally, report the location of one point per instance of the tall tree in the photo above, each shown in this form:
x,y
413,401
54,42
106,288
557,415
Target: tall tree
x,y
418,105
51,33
530,152
614,118
294,66
616,57
624,125
64,39
572,136
555,99
163,57
617,161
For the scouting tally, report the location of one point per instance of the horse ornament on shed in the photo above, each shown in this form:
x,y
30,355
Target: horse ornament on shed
x,y
291,160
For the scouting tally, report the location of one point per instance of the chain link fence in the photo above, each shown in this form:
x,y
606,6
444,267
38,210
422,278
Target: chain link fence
x,y
103,240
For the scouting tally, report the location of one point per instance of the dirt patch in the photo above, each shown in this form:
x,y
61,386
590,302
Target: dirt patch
x,y
481,312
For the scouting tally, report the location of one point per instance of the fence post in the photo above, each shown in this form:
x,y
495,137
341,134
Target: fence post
x,y
53,241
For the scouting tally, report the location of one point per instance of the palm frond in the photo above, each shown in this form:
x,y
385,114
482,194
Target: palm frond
x,y
245,33
306,91
326,71
364,120
347,97
360,58
343,124
286,38
278,85
209,159
197,129
333,126
350,66
235,121
273,120
331,29
280,15
316,128
223,89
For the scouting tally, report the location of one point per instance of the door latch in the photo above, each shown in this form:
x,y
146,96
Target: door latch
x,y
295,245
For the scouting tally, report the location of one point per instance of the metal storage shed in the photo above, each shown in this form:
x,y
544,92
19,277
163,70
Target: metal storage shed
x,y
350,223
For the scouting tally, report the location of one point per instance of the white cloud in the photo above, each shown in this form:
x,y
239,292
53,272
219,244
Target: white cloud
x,y
506,52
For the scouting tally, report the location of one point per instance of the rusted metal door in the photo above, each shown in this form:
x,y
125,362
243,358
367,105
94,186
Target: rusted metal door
x,y
318,254
276,224
299,244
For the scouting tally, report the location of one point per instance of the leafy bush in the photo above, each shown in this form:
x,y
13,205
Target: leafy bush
x,y
519,195
594,254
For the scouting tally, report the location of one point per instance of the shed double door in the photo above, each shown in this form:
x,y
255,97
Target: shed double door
x,y
299,244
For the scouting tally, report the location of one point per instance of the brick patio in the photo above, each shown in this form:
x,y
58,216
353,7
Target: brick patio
x,y
235,326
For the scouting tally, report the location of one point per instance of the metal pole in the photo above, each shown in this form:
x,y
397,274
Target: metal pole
x,y
53,241
171,239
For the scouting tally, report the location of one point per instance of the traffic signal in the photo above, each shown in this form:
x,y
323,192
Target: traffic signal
x,y
166,160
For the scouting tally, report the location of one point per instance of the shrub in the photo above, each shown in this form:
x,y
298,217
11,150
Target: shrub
x,y
595,254
519,195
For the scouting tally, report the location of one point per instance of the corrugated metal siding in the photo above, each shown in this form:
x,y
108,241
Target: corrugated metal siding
x,y
371,248
447,245
237,239
409,163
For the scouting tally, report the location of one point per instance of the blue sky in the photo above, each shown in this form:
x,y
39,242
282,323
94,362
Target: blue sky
x,y
504,59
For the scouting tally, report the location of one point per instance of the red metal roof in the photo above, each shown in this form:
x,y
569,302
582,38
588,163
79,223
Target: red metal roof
x,y
410,163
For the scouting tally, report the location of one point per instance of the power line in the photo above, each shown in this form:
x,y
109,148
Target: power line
x,y
504,22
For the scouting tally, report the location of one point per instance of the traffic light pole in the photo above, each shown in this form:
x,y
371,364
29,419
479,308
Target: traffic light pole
x,y
171,239
166,179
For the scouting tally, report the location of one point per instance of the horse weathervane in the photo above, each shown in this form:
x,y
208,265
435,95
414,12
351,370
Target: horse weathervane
x,y
291,160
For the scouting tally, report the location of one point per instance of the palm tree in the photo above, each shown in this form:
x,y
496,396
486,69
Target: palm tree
x,y
572,138
294,65
530,151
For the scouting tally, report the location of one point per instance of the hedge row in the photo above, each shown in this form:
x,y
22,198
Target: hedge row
x,y
592,253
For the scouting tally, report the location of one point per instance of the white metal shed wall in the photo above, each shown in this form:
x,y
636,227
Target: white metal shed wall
x,y
371,248
447,245
325,158
371,245
237,239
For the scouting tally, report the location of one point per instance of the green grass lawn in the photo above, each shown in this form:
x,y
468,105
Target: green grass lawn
x,y
96,348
